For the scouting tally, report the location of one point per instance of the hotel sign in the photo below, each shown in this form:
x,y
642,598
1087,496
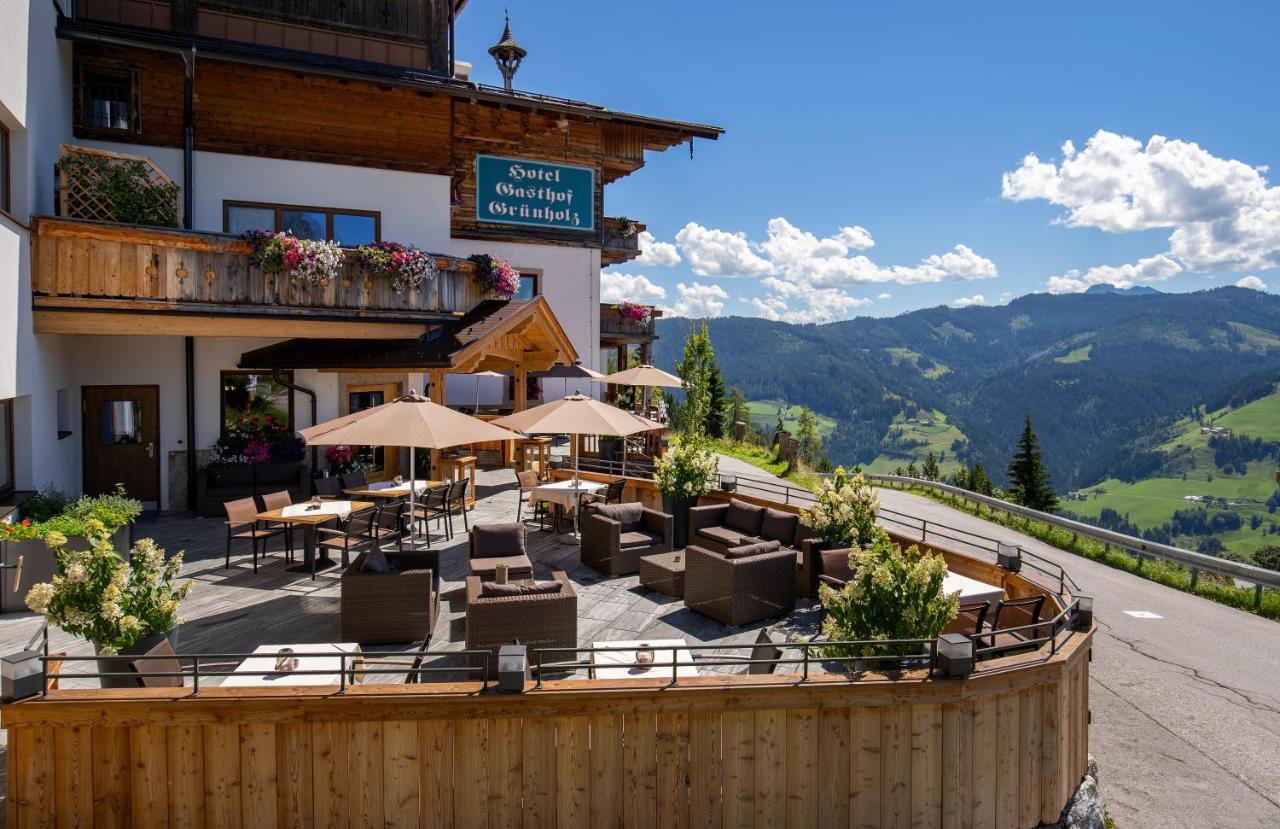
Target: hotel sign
x,y
517,191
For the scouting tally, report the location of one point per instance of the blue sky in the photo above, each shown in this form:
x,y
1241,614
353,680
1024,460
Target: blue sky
x,y
890,140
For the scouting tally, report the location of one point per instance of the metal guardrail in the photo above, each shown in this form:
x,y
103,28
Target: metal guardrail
x,y
1258,576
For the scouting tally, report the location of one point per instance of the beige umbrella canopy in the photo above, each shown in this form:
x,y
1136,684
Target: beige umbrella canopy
x,y
643,376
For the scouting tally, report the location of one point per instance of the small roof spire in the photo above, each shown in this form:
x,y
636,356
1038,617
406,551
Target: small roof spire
x,y
507,53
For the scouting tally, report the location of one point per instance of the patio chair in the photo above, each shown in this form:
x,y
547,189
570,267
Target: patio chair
x,y
358,534
398,605
743,585
489,545
538,615
354,480
280,500
243,525
431,504
765,648
330,487
616,536
456,499
1015,613
393,522
528,481
969,619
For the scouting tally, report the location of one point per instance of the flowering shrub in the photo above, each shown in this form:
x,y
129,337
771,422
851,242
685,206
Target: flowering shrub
x,y
686,471
111,603
306,261
635,312
22,530
112,511
406,266
497,275
258,439
845,512
891,594
341,460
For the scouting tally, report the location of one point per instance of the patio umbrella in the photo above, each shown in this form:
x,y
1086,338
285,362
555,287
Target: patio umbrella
x,y
413,421
478,375
644,375
577,371
578,414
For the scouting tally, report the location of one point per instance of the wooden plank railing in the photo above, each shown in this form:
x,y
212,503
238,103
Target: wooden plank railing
x,y
408,19
613,324
1005,748
193,270
620,240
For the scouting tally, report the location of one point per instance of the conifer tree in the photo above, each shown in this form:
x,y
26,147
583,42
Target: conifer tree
x,y
1028,479
738,408
930,470
980,481
716,402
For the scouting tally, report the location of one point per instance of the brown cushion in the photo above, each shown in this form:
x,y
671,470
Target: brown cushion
x,y
835,563
628,515
802,535
491,589
161,666
491,540
779,525
744,517
639,538
753,549
723,536
375,561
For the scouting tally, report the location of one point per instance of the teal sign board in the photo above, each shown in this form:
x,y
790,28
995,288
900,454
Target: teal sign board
x,y
517,191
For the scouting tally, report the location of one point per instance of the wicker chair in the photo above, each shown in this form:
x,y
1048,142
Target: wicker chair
x,y
489,545
738,590
717,527
615,536
400,606
538,620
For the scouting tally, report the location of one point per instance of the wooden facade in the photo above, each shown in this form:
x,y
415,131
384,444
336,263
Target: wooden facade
x,y
1004,748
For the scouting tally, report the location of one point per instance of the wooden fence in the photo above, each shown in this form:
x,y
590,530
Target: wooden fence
x,y
1004,748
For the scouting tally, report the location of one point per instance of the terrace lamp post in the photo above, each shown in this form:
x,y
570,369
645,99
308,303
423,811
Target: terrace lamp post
x,y
955,655
21,675
1009,556
1084,611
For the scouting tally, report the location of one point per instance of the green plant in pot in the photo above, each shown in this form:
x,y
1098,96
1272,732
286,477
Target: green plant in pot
x,y
123,608
844,514
891,594
683,475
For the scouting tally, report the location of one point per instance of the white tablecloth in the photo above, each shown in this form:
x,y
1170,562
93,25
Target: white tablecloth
x,y
393,490
565,493
259,670
620,664
339,508
971,590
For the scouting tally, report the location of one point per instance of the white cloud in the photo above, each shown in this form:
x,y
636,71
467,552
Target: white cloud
x,y
1152,269
1223,214
1005,296
883,296
626,287
698,300
653,252
966,301
1253,283
714,252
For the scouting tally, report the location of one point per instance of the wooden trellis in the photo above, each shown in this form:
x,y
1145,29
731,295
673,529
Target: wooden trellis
x,y
83,193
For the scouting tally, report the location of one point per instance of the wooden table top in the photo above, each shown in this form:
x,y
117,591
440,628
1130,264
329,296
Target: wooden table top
x,y
458,460
328,511
390,491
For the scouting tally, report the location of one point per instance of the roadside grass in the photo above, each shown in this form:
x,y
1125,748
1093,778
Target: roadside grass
x,y
1207,586
765,459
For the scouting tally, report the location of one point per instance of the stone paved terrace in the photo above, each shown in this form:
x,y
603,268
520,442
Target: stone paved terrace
x,y
236,610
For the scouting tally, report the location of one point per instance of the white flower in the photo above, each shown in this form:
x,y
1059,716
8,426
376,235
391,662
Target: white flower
x,y
76,574
39,596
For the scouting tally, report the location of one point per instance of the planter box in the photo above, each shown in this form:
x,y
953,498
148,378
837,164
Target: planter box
x,y
38,566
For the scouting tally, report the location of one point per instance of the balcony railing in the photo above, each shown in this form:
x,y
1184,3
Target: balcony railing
x,y
621,241
615,326
147,268
410,19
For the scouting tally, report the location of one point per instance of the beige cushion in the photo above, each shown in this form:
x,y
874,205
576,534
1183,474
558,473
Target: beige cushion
x,y
744,517
755,549
779,525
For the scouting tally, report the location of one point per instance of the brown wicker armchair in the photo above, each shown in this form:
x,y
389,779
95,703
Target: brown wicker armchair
x,y
738,590
538,620
718,527
615,536
399,606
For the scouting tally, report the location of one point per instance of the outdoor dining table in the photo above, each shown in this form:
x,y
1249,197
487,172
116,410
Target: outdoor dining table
x,y
259,670
388,489
971,591
308,516
567,495
621,663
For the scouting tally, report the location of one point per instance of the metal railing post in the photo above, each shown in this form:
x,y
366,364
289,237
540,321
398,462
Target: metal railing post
x,y
195,676
44,663
805,675
342,672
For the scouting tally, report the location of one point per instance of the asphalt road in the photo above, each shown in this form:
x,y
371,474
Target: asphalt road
x,y
1186,707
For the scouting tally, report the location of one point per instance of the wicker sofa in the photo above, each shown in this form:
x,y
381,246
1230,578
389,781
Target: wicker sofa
x,y
615,536
736,588
720,527
399,606
538,620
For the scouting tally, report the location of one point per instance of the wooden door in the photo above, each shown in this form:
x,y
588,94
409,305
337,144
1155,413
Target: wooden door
x,y
122,440
381,463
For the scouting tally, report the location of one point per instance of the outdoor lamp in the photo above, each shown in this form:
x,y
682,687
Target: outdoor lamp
x,y
21,675
1084,611
1009,556
513,668
955,655
728,483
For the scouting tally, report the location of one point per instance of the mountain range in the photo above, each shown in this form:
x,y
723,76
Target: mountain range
x,y
1104,374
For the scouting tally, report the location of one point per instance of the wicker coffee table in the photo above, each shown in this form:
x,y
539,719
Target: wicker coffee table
x,y
664,572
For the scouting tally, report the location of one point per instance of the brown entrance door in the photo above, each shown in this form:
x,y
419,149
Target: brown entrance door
x,y
122,440
381,463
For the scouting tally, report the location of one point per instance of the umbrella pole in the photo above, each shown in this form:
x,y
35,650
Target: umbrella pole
x,y
413,523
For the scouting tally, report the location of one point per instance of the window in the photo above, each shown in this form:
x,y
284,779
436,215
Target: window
x,y
246,395
529,287
108,99
350,228
5,174
6,447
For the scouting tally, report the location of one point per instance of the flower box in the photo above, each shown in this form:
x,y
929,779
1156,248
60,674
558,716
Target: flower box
x,y
38,565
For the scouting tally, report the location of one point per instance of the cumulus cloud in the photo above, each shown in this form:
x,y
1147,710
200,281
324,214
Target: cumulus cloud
x,y
1222,214
966,301
626,287
1151,269
1253,283
713,252
653,252
883,296
697,300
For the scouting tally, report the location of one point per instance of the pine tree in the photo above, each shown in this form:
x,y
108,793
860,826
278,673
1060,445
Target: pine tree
x,y
807,436
694,369
930,470
1028,479
960,478
980,481
912,471
739,411
716,403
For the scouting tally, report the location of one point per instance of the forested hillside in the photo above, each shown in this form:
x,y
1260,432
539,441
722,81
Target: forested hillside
x,y
1104,375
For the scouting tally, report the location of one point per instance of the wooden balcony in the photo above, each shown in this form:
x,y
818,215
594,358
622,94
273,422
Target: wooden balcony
x,y
96,277
620,241
616,329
